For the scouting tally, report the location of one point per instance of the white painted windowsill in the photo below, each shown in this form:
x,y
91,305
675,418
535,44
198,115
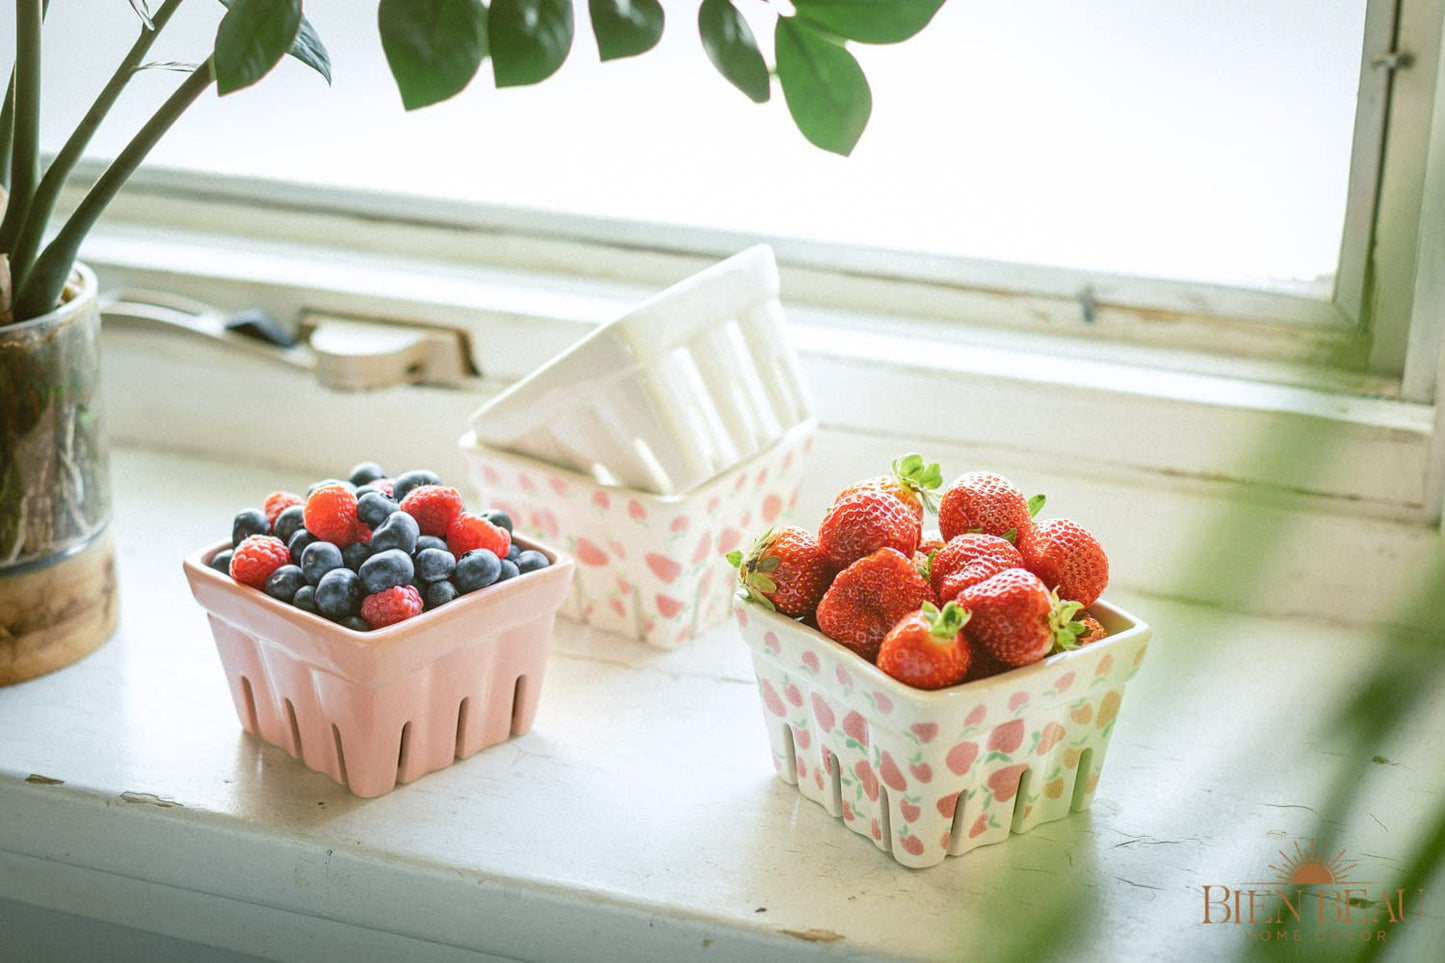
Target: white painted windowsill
x,y
640,820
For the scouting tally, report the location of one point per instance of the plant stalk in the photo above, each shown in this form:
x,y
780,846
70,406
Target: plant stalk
x,y
42,205
42,288
25,150
7,132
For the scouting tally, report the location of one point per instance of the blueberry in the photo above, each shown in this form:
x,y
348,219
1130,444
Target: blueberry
x,y
221,562
373,507
430,541
328,481
283,583
413,479
476,570
354,554
438,594
356,623
297,543
250,522
305,599
499,518
385,570
288,523
339,593
318,559
367,471
514,553
434,564
398,531
532,561
509,570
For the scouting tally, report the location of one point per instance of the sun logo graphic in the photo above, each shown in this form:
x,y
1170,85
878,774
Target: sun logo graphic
x,y
1306,866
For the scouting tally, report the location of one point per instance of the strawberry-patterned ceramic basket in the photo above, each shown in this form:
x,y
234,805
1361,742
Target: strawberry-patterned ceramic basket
x,y
927,775
650,567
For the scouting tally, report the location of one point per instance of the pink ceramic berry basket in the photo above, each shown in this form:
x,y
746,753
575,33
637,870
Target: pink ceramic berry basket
x,y
927,775
371,709
650,567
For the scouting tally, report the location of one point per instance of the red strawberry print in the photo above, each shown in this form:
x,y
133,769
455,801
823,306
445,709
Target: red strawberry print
x,y
810,659
771,700
975,715
787,461
910,811
1016,700
547,522
624,586
635,510
663,567
801,736
945,841
921,771
526,483
601,500
772,508
1052,735
802,768
865,775
1063,682
882,703
979,826
559,486
1006,737
856,727
925,731
877,830
740,482
746,520
712,505
588,553
1105,665
771,643
703,550
892,777
679,524
847,812
618,548
616,605
740,612
669,607
762,477
822,713
844,679
1005,782
913,845
947,805
961,757
818,777
490,474
792,694
730,540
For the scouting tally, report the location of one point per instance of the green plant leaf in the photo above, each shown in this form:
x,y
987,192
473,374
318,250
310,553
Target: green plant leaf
x,y
735,558
869,21
253,37
307,47
433,47
730,46
530,39
142,10
826,91
625,28
1036,505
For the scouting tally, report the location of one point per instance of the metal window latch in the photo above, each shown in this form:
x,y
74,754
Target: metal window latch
x,y
1392,60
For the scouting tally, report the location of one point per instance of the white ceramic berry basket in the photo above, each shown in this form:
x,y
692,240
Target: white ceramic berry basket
x,y
927,775
371,709
650,567
694,382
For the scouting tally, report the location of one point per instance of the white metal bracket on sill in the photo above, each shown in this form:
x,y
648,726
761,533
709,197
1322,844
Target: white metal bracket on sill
x,y
1392,60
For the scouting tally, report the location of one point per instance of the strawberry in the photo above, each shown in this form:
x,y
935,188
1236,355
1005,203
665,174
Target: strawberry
x,y
868,598
1068,559
927,649
982,664
912,482
981,501
864,520
968,559
785,571
1016,619
1093,629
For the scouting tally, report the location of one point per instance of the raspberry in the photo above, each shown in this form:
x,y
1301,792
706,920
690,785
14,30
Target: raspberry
x,y
330,514
278,502
470,531
360,534
396,604
256,558
384,485
434,508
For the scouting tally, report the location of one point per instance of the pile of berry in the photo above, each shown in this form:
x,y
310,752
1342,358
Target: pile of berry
x,y
992,590
370,551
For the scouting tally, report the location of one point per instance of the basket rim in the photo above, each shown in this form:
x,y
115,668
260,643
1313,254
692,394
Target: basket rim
x,y
1136,630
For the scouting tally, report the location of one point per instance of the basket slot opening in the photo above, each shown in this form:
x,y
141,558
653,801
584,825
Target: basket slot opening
x,y
295,747
955,831
790,755
835,782
462,726
1081,780
519,696
885,820
249,697
340,756
1021,804
404,751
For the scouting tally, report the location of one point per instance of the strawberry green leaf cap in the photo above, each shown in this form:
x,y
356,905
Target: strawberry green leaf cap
x,y
1036,505
946,624
1065,630
925,567
923,479
754,570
